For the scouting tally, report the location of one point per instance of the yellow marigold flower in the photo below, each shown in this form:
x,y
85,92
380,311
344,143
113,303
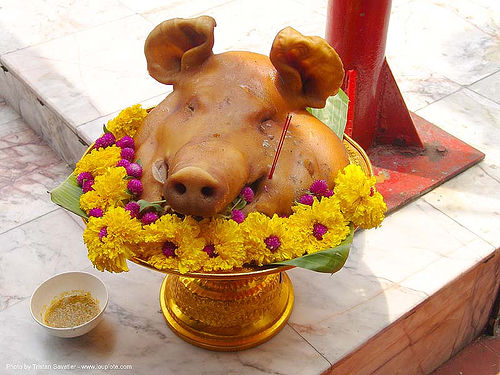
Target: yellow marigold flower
x,y
110,189
321,226
98,161
223,248
269,240
111,239
127,122
169,243
358,198
370,212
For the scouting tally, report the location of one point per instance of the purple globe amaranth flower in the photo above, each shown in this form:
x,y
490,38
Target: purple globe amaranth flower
x,y
108,139
272,243
126,142
135,186
319,230
148,218
319,188
96,212
372,191
133,208
306,199
84,176
238,216
134,170
247,194
123,163
128,153
103,233
88,186
210,250
168,249
329,193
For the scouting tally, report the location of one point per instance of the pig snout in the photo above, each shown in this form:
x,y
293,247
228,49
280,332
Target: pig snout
x,y
203,186
194,191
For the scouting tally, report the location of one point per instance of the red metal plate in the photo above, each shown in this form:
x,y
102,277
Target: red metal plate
x,y
408,172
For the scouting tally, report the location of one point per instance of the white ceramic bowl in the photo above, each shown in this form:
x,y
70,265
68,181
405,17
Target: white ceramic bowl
x,y
66,282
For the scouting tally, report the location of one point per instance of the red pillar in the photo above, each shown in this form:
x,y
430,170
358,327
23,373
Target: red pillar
x,y
357,29
409,154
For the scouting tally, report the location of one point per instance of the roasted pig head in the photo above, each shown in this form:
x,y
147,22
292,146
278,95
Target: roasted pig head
x,y
218,131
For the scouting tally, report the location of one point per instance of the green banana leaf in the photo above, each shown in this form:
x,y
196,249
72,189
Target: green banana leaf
x,y
327,261
334,113
67,195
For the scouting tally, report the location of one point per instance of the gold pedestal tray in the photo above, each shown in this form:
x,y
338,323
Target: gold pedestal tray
x,y
238,310
227,315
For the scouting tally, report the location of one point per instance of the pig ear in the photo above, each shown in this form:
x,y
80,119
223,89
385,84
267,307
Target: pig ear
x,y
177,45
308,65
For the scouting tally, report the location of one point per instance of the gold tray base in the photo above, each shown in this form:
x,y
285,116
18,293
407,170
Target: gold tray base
x,y
227,315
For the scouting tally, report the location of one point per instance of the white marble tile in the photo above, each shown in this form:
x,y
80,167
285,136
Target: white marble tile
x,y
421,86
338,335
28,22
92,130
473,200
7,114
53,128
483,14
11,89
41,117
446,269
28,169
134,332
410,240
488,87
83,75
320,297
243,25
429,37
15,127
473,119
175,8
37,250
25,197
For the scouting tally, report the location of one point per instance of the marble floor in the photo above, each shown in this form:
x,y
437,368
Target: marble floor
x,y
61,80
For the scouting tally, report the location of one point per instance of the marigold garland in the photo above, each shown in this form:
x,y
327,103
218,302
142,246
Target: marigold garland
x,y
110,189
321,225
98,161
270,240
114,231
358,198
127,122
111,240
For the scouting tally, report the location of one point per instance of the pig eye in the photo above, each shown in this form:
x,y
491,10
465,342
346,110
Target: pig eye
x,y
265,115
192,104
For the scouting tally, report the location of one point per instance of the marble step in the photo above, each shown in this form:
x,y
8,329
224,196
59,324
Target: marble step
x,y
51,123
41,117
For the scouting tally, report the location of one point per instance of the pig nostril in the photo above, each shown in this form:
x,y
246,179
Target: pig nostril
x,y
207,191
180,188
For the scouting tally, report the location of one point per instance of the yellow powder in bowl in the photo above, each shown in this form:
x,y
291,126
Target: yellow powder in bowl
x,y
71,309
